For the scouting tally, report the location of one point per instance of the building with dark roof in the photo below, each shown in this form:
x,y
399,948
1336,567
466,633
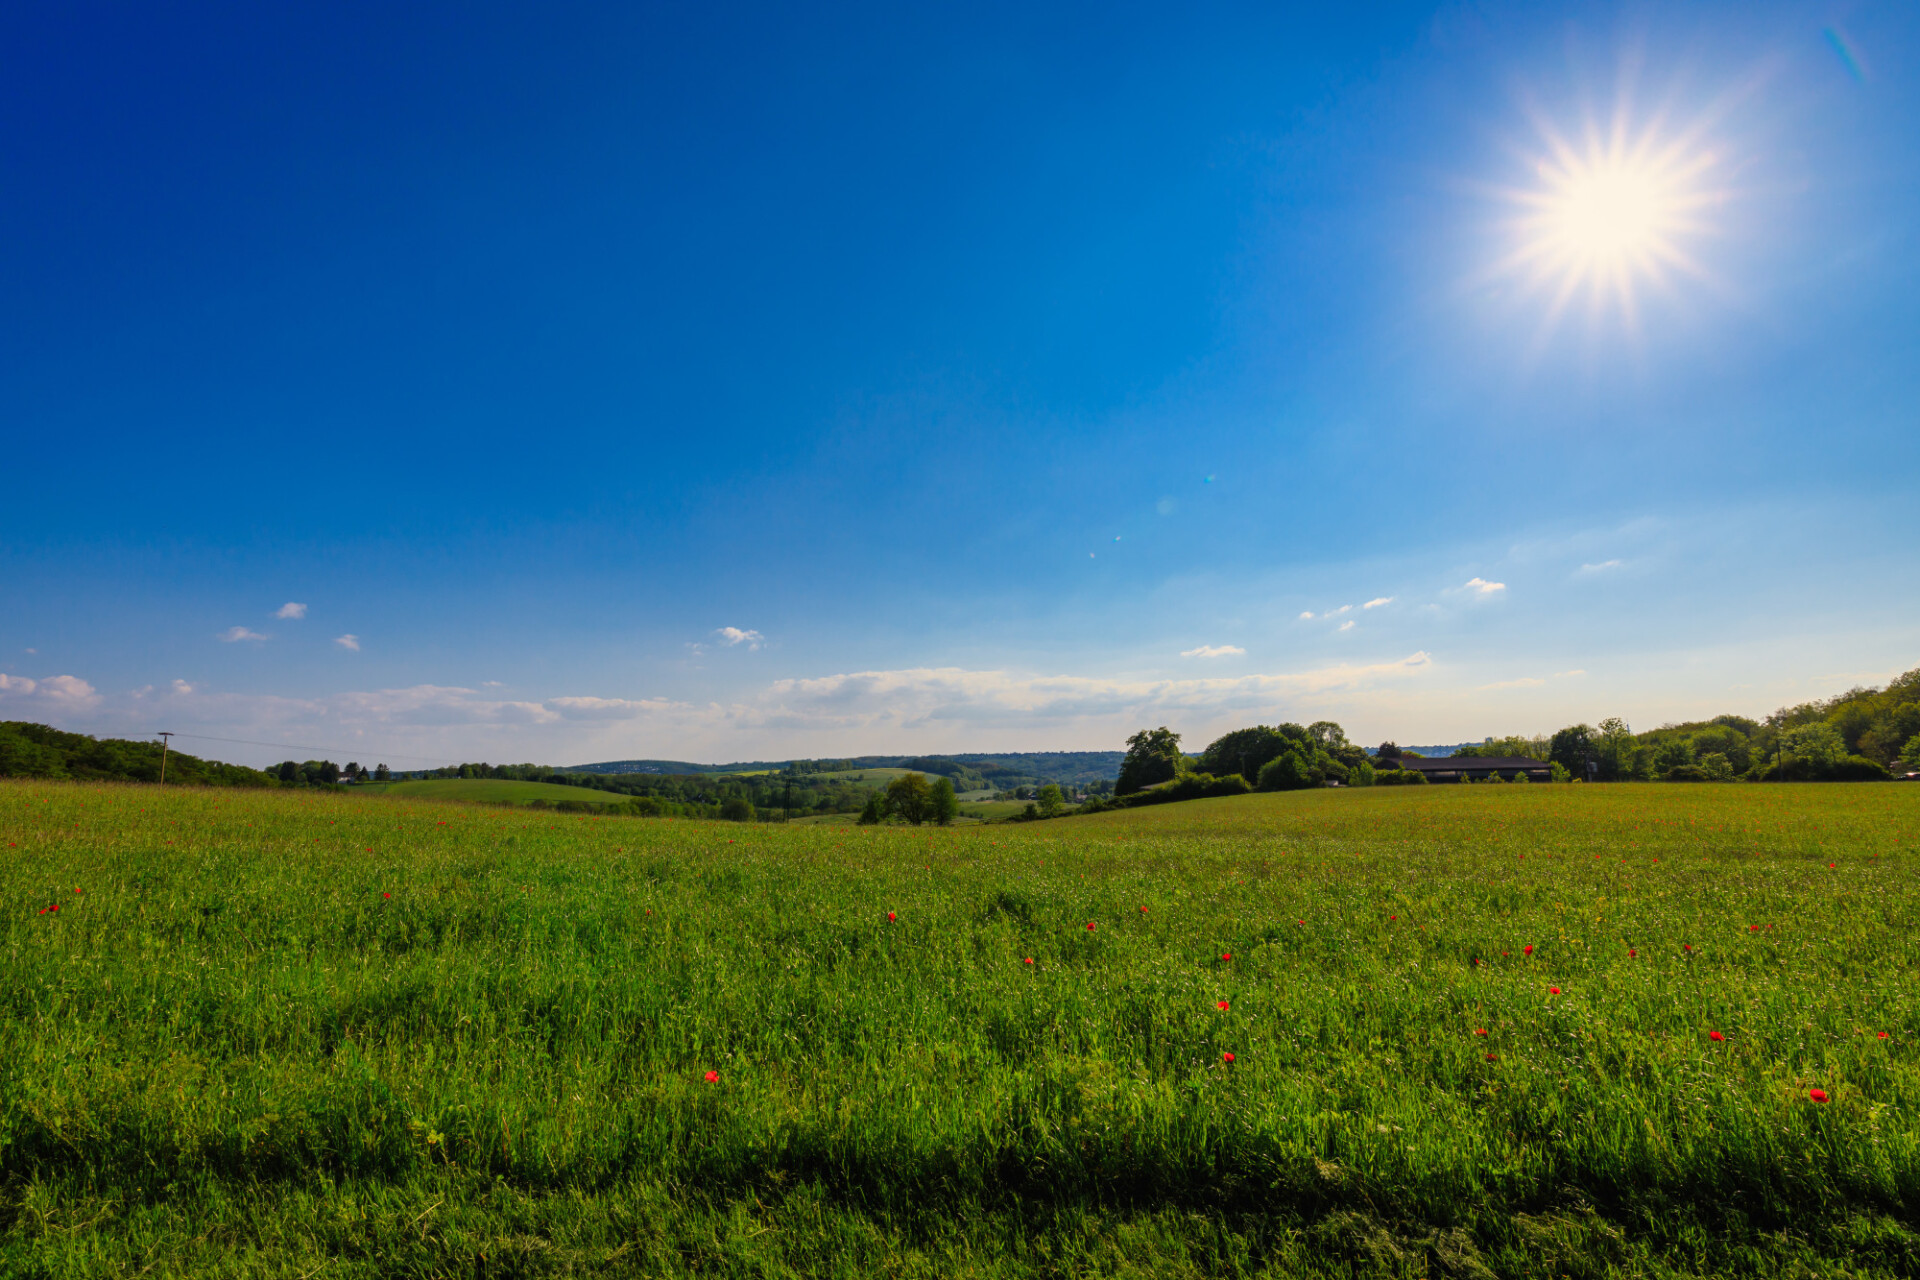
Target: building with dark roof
x,y
1470,768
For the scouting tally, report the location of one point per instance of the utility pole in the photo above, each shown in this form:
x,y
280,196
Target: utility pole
x,y
164,744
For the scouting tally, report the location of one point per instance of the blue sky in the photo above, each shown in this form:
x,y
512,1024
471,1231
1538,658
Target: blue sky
x,y
722,383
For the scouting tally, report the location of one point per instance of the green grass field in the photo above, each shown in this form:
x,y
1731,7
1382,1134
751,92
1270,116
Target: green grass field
x,y
487,790
294,1034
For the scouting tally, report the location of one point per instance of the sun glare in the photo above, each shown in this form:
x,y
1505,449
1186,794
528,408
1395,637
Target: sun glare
x,y
1611,217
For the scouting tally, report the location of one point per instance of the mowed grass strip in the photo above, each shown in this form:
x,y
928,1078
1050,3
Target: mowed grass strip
x,y
268,1031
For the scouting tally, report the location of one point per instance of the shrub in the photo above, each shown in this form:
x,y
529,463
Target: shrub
x,y
737,809
1400,778
1286,773
1688,773
1856,769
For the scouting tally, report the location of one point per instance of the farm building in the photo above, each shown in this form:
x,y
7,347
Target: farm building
x,y
1472,768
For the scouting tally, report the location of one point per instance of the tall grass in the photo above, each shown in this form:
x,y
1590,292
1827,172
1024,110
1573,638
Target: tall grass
x,y
265,1033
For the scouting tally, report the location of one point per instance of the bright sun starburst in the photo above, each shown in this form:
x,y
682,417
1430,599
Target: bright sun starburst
x,y
1611,216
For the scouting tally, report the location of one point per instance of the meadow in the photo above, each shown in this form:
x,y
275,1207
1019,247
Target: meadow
x,y
1465,1031
489,791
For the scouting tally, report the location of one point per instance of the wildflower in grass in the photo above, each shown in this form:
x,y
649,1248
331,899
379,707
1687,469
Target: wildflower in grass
x,y
1753,928
1493,1057
1089,926
1226,955
890,917
1223,1006
1226,1057
1631,953
1818,1095
713,1077
1391,919
1880,1035
1715,1035
386,895
1687,947
1029,959
1143,911
1527,950
1553,991
1479,1031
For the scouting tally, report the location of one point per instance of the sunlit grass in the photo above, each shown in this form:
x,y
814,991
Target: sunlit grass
x,y
265,1032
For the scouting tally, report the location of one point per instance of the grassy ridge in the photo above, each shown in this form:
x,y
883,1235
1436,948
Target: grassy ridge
x,y
231,1051
484,790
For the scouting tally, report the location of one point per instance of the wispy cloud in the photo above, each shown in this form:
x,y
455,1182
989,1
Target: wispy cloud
x,y
1334,613
731,636
1346,626
1213,651
232,634
182,687
1306,614
290,610
1377,602
348,641
1602,567
1481,587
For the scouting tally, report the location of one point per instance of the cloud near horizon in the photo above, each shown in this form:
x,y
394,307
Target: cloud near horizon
x,y
1213,651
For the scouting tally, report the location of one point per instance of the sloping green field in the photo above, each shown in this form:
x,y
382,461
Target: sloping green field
x,y
487,790
303,1034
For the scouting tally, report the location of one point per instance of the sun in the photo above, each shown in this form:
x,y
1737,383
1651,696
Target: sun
x,y
1610,217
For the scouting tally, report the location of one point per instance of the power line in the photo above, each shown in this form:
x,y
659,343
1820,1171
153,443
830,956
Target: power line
x,y
299,746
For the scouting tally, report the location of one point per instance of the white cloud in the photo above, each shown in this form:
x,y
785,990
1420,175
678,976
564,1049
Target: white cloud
x,y
877,700
54,695
348,641
290,610
1377,602
1334,613
182,687
1601,567
731,636
1481,587
232,634
1213,651
1346,626
1305,614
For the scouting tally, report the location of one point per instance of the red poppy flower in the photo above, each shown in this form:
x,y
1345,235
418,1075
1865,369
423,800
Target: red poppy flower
x,y
1029,959
1527,950
1493,1057
1393,917
713,1077
1476,959
890,917
1223,1006
1881,1035
1753,928
1226,955
1818,1095
1686,946
1143,911
1715,1035
1226,1057
386,895
1089,926
1631,953
1553,991
1508,954
1479,1031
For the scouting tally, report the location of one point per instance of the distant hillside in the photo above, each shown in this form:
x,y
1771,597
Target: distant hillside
x,y
1079,767
680,767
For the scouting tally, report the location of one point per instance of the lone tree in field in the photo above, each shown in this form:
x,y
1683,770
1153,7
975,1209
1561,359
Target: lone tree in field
x,y
1051,801
910,799
943,806
1153,755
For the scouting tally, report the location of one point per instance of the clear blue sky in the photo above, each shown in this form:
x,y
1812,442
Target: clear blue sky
x,y
712,382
